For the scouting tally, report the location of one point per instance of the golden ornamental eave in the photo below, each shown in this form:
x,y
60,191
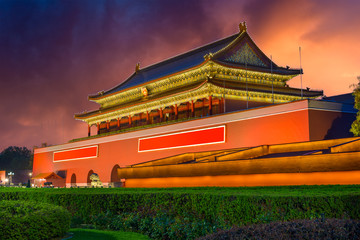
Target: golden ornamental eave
x,y
208,69
200,92
241,74
104,98
240,70
204,91
173,81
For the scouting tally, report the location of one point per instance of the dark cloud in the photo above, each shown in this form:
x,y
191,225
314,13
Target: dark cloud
x,y
343,23
55,53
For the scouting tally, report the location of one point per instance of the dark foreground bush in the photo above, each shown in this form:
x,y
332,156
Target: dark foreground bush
x,y
297,229
155,225
32,220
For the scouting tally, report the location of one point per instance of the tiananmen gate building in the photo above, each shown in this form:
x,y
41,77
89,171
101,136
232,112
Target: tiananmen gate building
x,y
219,115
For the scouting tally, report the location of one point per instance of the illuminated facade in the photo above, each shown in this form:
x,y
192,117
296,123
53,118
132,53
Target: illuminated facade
x,y
227,75
223,96
2,177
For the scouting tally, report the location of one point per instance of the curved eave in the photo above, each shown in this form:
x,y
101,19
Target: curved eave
x,y
103,94
83,116
239,86
98,97
277,70
267,89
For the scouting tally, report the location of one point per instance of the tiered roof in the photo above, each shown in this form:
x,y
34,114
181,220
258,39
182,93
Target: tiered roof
x,y
235,60
238,51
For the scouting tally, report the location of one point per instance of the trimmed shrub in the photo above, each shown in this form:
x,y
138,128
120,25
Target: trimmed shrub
x,y
32,220
187,213
297,229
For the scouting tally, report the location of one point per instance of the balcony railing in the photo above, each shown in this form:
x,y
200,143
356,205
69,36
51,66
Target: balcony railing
x,y
142,127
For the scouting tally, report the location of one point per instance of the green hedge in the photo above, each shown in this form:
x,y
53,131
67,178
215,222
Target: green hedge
x,y
32,220
195,212
346,229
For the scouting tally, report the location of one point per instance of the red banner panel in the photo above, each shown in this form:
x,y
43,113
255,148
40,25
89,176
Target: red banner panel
x,y
183,139
76,154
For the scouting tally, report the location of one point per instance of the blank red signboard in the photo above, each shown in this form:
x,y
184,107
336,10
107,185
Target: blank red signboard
x,y
76,154
195,137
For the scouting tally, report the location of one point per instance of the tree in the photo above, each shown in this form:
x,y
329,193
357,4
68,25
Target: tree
x,y
16,158
355,126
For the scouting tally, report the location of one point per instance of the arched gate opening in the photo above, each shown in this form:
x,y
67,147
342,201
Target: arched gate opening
x,y
115,180
88,178
73,180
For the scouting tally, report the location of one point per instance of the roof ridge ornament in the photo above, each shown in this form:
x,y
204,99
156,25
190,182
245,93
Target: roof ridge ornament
x,y
137,67
242,27
208,56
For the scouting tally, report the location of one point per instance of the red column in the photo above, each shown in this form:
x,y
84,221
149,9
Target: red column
x,y
192,109
107,125
147,117
129,120
210,105
142,115
161,114
98,128
188,110
89,133
223,105
220,105
118,123
203,106
176,112
138,123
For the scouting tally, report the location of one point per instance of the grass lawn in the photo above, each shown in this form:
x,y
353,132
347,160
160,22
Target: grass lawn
x,y
275,191
92,234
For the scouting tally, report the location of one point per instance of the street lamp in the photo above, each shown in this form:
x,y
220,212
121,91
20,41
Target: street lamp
x,y
10,174
29,181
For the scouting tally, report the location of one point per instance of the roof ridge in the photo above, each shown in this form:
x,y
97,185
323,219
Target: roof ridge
x,y
243,35
192,51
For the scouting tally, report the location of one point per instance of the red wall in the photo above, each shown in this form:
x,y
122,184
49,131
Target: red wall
x,y
283,123
272,129
2,177
282,128
42,163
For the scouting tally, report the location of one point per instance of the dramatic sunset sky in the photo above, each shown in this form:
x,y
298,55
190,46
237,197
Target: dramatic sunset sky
x,y
54,53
